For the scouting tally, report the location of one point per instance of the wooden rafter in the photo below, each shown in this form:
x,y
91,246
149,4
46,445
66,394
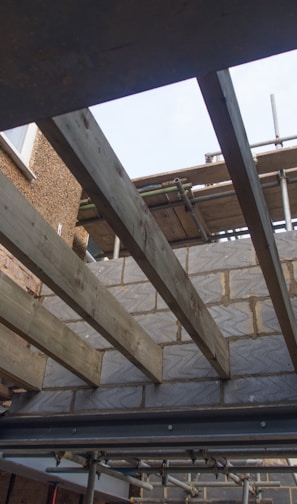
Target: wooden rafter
x,y
18,364
33,241
83,147
126,46
221,102
28,318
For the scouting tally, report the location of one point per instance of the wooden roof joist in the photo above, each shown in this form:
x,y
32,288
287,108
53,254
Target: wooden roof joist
x,y
18,364
126,46
82,145
25,315
221,102
33,241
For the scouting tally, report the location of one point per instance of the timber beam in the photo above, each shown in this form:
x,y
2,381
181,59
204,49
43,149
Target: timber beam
x,y
81,144
126,46
26,316
221,102
18,364
34,242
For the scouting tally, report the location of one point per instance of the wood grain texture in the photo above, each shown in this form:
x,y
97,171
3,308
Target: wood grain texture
x,y
31,239
18,364
221,102
83,147
25,315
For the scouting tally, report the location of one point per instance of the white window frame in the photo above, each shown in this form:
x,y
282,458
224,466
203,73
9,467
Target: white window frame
x,y
22,157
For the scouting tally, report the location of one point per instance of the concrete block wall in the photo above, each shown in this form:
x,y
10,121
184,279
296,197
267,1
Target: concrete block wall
x,y
229,280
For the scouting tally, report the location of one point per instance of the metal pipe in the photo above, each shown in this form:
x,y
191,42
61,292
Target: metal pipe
x,y
189,206
225,464
116,248
104,470
160,500
210,155
91,478
245,491
220,469
285,200
146,194
163,190
174,481
275,119
228,484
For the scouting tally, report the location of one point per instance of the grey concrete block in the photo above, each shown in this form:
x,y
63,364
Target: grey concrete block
x,y
185,362
132,272
233,320
116,369
114,398
261,389
247,282
161,326
181,254
266,317
161,305
108,272
287,245
280,495
261,355
210,287
90,335
42,403
221,256
60,309
136,297
229,494
56,376
182,394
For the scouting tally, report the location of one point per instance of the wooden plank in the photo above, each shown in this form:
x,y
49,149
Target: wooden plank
x,y
32,240
18,364
125,46
81,144
214,173
221,102
25,315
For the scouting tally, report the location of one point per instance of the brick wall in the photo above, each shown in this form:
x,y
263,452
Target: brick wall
x,y
229,281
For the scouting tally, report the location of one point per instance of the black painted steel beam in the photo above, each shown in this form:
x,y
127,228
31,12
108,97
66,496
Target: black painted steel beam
x,y
272,427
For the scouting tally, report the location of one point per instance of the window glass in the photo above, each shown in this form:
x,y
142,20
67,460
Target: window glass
x,y
17,136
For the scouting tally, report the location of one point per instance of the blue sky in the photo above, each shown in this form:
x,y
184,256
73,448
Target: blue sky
x,y
169,129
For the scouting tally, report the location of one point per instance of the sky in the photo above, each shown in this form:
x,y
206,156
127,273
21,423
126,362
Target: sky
x,y
168,128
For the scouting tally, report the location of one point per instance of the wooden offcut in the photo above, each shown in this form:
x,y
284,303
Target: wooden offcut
x,y
32,240
83,147
220,99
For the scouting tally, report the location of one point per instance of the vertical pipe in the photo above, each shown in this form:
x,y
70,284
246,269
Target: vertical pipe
x,y
285,200
259,489
275,120
91,478
245,492
52,494
10,489
116,248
